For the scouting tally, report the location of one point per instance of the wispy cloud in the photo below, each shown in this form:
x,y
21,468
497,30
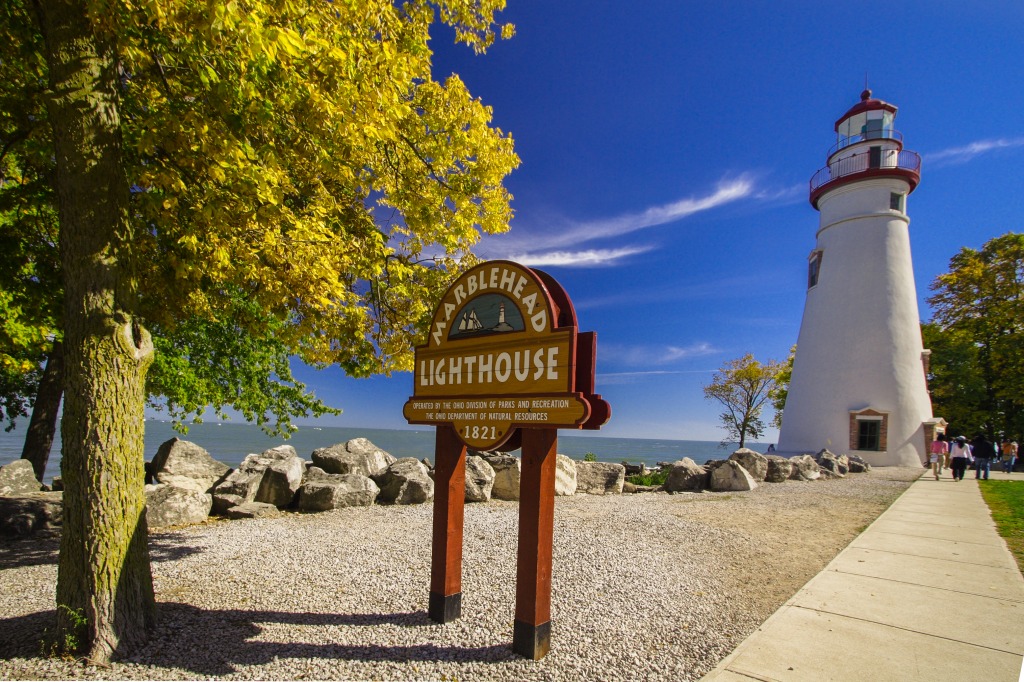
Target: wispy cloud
x,y
957,155
783,195
587,258
648,356
725,193
550,243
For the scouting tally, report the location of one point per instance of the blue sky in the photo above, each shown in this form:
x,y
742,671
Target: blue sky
x,y
666,151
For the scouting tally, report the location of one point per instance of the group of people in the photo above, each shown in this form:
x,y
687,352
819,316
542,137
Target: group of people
x,y
956,454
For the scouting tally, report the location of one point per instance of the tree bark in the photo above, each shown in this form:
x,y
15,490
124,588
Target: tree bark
x,y
43,424
103,570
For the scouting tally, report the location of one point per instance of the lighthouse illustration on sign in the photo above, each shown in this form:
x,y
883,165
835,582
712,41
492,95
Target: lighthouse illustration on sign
x,y
858,383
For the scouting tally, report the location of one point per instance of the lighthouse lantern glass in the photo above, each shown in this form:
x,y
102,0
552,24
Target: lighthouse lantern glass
x,y
867,125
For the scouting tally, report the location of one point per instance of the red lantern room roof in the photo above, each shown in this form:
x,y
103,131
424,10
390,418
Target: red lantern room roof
x,y
866,103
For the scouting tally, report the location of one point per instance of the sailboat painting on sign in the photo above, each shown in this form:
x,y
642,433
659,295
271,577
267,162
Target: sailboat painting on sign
x,y
487,314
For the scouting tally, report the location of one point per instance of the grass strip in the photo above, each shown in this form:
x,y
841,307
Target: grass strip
x,y
1006,500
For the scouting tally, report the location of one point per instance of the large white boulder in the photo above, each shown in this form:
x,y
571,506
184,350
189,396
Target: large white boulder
x,y
600,478
357,456
730,476
755,463
479,479
272,477
184,464
168,505
22,515
507,473
565,476
805,468
323,491
406,481
18,478
780,469
685,475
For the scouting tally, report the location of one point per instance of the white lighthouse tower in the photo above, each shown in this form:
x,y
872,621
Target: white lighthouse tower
x,y
858,384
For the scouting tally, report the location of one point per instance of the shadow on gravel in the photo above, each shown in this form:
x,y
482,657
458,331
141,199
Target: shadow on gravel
x,y
22,636
37,550
216,643
44,548
211,642
170,548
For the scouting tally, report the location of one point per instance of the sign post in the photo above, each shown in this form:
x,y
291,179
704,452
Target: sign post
x,y
446,548
531,630
504,366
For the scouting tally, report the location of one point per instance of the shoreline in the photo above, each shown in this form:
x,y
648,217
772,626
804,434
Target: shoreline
x,y
649,585
231,442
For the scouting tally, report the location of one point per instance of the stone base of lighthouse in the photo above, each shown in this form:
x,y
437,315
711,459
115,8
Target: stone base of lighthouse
x,y
901,440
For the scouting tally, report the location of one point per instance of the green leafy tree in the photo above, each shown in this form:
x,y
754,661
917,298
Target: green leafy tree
x,y
31,352
781,389
218,363
226,175
977,338
30,287
955,379
743,386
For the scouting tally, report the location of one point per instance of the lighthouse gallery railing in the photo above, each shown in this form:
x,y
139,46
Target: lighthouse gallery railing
x,y
858,163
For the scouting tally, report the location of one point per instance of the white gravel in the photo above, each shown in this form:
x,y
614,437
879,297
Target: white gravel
x,y
650,586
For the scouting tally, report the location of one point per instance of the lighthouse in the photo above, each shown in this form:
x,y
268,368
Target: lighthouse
x,y
858,384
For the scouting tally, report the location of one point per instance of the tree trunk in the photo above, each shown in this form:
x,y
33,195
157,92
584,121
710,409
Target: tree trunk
x,y
103,570
39,437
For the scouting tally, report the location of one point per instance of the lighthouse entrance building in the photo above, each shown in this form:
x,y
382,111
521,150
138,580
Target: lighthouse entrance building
x,y
858,383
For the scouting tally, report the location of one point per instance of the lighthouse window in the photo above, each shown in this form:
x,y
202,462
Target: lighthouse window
x,y
813,269
868,434
896,201
869,430
873,129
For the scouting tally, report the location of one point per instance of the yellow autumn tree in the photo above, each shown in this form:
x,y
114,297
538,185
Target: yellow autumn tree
x,y
295,156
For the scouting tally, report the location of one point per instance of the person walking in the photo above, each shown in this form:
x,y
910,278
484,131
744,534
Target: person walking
x,y
937,453
1009,456
983,452
959,456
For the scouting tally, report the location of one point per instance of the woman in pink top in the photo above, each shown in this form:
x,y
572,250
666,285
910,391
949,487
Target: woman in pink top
x,y
937,454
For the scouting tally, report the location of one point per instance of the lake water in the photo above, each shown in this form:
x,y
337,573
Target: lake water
x,y
230,443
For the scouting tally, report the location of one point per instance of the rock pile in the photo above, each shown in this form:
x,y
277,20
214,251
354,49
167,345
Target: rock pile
x,y
745,469
185,484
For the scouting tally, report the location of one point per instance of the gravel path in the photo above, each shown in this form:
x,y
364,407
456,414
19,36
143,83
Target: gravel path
x,y
655,586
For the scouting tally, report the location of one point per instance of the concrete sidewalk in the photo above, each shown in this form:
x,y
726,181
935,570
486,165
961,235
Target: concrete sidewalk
x,y
928,591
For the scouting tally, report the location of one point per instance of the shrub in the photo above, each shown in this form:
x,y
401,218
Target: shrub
x,y
651,478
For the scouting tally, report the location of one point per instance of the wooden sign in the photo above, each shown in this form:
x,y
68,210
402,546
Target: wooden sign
x,y
502,353
504,366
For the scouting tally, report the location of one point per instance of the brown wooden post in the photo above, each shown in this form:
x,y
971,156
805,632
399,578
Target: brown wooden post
x,y
531,634
449,502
